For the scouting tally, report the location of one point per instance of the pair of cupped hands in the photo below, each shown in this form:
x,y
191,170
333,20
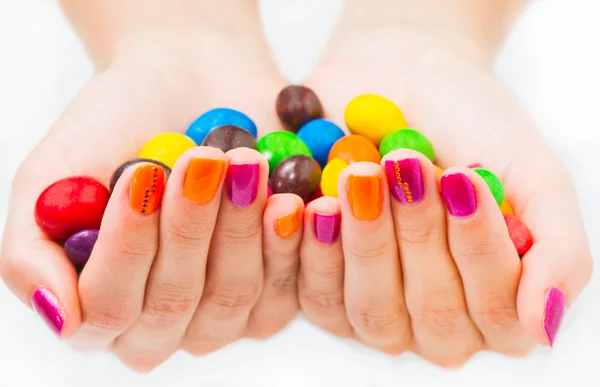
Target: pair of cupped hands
x,y
427,276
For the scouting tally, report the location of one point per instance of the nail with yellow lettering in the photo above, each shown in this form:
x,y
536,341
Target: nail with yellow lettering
x,y
364,194
287,225
405,178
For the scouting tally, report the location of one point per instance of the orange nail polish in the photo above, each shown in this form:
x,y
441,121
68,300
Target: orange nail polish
x,y
364,194
147,187
287,225
203,179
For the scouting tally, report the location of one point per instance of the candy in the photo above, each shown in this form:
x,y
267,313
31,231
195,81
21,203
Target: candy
x,y
507,208
319,136
269,190
330,176
475,165
407,139
373,116
519,234
117,174
229,137
71,205
438,172
297,105
80,245
215,118
277,146
298,174
354,148
493,182
166,148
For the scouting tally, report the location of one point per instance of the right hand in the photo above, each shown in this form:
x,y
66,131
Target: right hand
x,y
188,275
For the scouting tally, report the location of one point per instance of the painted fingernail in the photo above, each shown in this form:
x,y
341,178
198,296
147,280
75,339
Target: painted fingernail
x,y
202,179
364,194
555,310
327,227
405,178
287,225
459,194
147,187
46,305
242,183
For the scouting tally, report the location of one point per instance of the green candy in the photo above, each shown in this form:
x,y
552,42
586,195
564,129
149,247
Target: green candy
x,y
407,139
277,146
494,183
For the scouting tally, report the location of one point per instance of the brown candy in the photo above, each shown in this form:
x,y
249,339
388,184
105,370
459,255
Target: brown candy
x,y
297,105
117,174
229,137
300,175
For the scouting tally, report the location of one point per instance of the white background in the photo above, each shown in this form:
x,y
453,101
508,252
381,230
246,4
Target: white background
x,y
552,61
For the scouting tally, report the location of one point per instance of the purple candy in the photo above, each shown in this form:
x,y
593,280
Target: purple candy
x,y
79,246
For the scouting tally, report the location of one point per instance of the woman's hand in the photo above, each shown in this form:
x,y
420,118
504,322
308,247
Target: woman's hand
x,y
203,269
438,274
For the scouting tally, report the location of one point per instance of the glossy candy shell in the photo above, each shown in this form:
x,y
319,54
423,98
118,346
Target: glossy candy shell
x,y
494,183
296,106
166,148
119,171
300,175
373,116
215,118
229,137
79,246
407,139
277,146
319,136
519,234
354,148
330,176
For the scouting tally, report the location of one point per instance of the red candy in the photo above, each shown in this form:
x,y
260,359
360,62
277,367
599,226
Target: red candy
x,y
71,205
519,234
318,193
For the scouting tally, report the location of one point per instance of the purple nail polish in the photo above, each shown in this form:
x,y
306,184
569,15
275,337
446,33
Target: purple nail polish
x,y
242,183
459,194
327,227
79,246
47,307
405,178
555,310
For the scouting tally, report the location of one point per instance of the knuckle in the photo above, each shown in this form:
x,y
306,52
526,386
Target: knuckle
x,y
440,320
287,280
110,321
241,233
324,269
416,234
496,314
321,302
136,253
367,254
375,320
234,300
188,233
169,308
474,252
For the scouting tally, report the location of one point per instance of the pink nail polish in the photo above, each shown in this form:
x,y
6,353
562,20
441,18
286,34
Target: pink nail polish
x,y
46,305
326,227
405,178
459,194
242,183
555,310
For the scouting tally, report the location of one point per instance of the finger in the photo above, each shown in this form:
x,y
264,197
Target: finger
x,y
282,232
486,258
444,333
559,264
235,265
321,282
373,278
112,283
176,281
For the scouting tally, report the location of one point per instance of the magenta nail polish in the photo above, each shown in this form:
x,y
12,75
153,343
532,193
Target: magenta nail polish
x,y
46,305
405,178
327,227
242,183
459,194
555,310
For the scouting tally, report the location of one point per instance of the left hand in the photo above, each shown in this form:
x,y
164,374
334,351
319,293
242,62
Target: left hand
x,y
423,276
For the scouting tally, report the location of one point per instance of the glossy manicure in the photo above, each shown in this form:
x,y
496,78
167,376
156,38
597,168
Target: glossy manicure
x,y
46,305
242,183
459,194
364,194
555,310
287,225
405,178
327,227
202,179
147,187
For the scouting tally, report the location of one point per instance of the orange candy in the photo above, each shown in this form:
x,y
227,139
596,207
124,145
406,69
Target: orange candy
x,y
354,148
506,208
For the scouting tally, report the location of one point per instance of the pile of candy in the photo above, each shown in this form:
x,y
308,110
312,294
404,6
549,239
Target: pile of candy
x,y
306,160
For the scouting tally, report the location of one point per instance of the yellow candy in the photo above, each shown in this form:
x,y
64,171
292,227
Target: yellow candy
x,y
166,148
373,116
330,175
438,172
506,208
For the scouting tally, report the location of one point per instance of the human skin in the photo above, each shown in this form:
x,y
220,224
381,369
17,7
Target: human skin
x,y
451,283
188,276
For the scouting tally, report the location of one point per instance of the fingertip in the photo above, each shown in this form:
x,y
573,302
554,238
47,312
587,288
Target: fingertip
x,y
284,214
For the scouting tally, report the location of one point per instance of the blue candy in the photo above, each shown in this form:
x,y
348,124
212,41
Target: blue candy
x,y
319,136
214,118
